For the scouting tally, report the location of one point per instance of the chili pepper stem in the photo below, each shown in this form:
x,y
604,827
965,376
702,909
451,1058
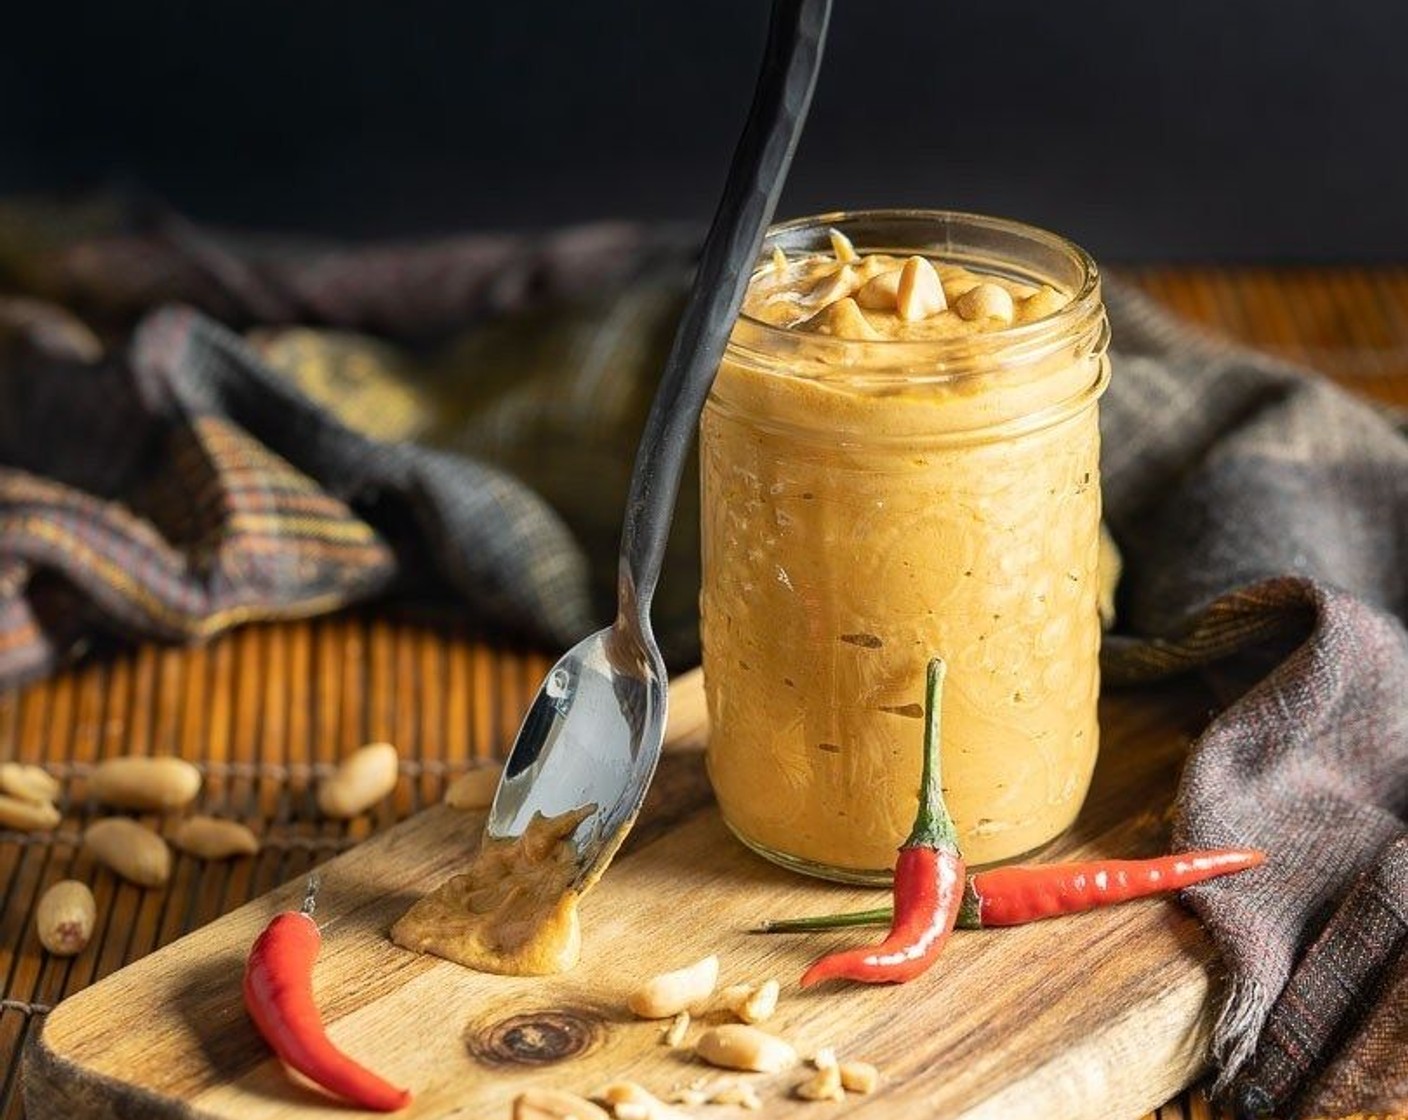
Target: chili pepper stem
x,y
933,827
878,917
310,896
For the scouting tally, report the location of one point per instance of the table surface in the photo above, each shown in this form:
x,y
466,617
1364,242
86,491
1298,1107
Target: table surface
x,y
266,708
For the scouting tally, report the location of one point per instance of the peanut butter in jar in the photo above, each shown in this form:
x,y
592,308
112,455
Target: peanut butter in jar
x,y
899,459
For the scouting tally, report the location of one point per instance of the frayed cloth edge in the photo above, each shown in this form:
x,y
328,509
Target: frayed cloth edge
x,y
1244,1012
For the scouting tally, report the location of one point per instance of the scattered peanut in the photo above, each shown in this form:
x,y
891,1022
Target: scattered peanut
x,y
985,301
65,916
28,783
678,1028
843,319
475,788
753,1002
624,1092
841,247
859,1077
628,1099
27,816
738,1093
919,293
824,1085
689,1096
213,838
666,995
737,1046
824,1057
136,853
555,1104
880,293
361,779
139,782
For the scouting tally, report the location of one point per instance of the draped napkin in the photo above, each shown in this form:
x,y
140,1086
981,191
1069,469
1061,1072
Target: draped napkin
x,y
198,430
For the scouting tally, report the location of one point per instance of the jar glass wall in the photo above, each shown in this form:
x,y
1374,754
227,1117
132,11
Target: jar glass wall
x,y
869,504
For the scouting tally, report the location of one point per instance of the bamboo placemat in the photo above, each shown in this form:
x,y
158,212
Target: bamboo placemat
x,y
264,710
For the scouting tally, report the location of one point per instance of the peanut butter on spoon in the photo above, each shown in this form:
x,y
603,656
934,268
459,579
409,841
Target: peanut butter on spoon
x,y
513,911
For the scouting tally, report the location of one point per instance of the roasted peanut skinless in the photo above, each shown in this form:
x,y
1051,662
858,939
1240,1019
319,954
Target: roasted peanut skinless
x,y
64,917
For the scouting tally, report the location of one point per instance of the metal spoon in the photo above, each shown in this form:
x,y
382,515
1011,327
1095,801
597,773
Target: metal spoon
x,y
593,733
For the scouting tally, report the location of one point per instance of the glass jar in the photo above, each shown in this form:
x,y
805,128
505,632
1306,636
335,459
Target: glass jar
x,y
867,505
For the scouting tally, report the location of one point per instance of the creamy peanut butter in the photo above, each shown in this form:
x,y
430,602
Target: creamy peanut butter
x,y
513,911
869,504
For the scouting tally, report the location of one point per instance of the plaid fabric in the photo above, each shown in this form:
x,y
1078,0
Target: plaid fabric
x,y
1264,521
185,479
459,418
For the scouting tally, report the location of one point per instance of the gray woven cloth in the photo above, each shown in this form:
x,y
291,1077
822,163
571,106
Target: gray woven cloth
x,y
1262,512
1263,515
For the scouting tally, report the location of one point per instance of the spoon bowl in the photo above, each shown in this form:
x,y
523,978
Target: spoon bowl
x,y
591,738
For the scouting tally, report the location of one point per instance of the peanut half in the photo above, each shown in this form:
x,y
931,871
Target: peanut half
x,y
628,1099
555,1104
831,287
738,1046
919,293
985,302
880,293
64,917
737,1093
859,1077
666,995
213,838
137,854
1045,301
753,1002
361,779
679,1027
139,782
28,783
475,788
27,816
824,1085
841,247
843,319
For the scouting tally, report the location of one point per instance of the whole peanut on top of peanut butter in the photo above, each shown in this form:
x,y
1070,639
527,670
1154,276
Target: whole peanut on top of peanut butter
x,y
877,296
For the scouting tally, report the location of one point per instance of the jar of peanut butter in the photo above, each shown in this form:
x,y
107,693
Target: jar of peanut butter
x,y
900,458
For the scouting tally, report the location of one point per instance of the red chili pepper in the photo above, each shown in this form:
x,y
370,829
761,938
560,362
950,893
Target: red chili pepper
x,y
928,886
278,993
1013,896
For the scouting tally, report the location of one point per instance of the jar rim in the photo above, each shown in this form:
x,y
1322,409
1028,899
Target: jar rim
x,y
1084,305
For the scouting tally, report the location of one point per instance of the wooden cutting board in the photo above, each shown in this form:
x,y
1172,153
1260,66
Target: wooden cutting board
x,y
1102,1015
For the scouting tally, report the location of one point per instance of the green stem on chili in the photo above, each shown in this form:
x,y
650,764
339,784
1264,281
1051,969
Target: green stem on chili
x,y
928,886
1011,896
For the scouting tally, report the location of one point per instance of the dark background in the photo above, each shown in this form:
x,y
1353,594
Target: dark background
x,y
1205,129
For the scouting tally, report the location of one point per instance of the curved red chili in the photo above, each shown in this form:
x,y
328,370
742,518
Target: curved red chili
x,y
928,886
1011,896
278,993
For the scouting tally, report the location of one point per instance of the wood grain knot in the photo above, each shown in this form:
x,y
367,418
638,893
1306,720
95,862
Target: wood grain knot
x,y
536,1038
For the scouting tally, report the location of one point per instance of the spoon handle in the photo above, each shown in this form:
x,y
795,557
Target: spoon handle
x,y
755,177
